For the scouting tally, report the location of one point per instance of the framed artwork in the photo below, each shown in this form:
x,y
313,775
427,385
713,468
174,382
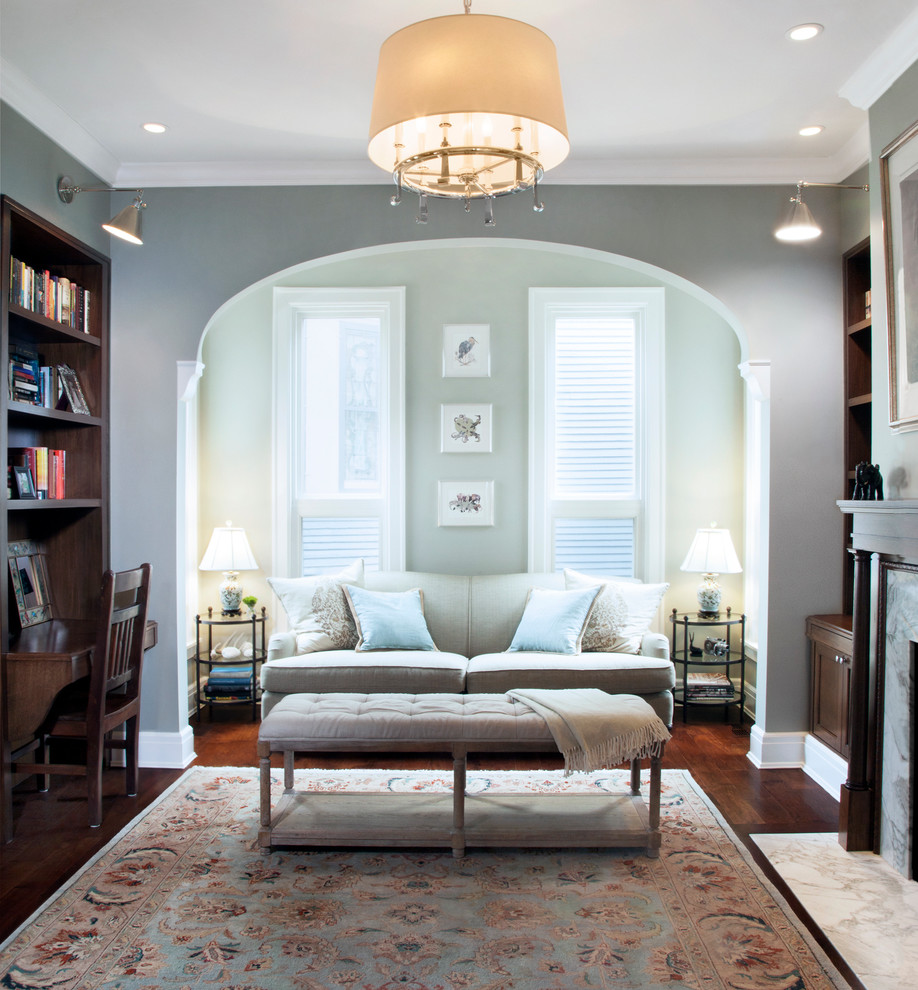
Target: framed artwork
x,y
465,428
29,582
899,189
466,350
465,503
23,483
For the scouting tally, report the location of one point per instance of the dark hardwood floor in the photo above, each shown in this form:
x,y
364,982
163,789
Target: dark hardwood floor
x,y
52,840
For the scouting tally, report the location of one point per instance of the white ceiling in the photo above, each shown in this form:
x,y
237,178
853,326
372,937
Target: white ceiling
x,y
279,91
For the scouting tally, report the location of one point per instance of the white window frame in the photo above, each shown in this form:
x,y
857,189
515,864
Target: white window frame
x,y
646,306
291,306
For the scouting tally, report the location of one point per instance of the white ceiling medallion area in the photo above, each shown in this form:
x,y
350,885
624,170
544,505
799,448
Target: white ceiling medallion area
x,y
861,63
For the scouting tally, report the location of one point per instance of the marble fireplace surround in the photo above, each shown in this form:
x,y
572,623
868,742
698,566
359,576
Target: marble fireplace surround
x,y
877,807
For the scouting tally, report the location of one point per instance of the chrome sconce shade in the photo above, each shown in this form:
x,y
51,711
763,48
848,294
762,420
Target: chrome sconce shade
x,y
126,224
799,223
467,107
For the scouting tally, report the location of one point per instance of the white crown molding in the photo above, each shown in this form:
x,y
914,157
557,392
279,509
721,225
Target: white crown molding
x,y
580,172
22,95
254,173
900,50
715,171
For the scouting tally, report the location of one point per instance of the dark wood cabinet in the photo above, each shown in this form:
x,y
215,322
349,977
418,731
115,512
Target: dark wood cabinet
x,y
72,532
830,657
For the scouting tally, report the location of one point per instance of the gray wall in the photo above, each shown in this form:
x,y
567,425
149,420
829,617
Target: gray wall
x,y
202,246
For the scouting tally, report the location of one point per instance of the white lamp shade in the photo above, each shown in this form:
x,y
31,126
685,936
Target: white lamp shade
x,y
228,550
712,552
493,80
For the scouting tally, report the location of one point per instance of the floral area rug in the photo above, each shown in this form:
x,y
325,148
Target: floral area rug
x,y
184,899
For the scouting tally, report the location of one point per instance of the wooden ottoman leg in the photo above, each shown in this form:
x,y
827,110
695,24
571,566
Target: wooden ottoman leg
x,y
635,776
458,833
654,839
264,831
288,769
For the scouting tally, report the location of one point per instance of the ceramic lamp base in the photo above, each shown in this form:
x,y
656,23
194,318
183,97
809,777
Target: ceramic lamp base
x,y
709,594
231,593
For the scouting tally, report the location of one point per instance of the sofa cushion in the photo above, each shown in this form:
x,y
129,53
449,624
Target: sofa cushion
x,y
622,613
389,620
399,671
614,673
317,609
553,621
446,603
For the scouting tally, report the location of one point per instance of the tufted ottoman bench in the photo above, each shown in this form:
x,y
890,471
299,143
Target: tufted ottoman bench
x,y
455,723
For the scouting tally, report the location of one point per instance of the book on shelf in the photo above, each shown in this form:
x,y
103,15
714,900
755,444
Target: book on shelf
x,y
241,672
708,685
55,297
47,466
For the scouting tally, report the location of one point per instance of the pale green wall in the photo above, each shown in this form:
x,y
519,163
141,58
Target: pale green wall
x,y
482,283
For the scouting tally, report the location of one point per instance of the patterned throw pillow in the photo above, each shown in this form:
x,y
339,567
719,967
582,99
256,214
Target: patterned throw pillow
x,y
317,609
623,612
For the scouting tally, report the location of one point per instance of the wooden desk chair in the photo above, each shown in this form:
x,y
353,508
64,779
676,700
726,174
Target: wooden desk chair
x,y
108,697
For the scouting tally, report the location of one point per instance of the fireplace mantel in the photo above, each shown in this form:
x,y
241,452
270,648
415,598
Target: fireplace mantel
x,y
884,537
889,527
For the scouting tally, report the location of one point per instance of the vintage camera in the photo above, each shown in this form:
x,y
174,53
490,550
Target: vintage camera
x,y
715,647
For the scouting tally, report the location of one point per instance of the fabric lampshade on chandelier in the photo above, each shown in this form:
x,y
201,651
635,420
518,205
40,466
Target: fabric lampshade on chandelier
x,y
468,106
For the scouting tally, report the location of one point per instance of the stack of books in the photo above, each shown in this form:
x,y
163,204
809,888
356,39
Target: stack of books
x,y
229,683
53,296
709,685
47,466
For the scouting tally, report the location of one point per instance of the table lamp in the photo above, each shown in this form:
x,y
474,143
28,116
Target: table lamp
x,y
229,551
710,554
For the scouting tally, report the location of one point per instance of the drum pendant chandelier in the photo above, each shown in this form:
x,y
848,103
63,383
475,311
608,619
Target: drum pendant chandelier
x,y
468,106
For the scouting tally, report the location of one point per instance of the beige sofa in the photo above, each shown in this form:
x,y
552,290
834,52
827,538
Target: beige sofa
x,y
472,620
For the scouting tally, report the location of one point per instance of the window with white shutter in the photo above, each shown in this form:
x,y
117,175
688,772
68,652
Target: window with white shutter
x,y
596,425
339,429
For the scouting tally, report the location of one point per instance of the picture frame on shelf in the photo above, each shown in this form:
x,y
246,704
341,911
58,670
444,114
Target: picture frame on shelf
x,y
465,503
466,350
70,383
23,482
899,192
465,428
29,582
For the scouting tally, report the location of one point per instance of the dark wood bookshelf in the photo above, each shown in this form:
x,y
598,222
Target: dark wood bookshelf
x,y
858,387
72,532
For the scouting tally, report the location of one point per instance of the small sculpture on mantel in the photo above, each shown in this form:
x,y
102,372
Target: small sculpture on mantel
x,y
868,482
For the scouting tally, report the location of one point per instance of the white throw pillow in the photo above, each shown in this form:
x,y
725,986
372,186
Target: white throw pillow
x,y
317,609
622,613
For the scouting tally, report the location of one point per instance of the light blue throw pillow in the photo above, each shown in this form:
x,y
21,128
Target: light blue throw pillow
x,y
553,621
389,620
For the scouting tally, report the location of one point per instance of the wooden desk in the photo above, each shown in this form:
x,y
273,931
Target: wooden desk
x,y
41,661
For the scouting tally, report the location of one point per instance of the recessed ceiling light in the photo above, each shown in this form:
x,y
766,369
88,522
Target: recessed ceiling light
x,y
810,131
803,32
154,128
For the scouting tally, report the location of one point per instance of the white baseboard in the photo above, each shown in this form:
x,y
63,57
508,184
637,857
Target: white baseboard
x,y
167,750
776,750
825,766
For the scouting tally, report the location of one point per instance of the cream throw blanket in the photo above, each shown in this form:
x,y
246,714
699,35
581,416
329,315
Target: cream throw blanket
x,y
594,730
